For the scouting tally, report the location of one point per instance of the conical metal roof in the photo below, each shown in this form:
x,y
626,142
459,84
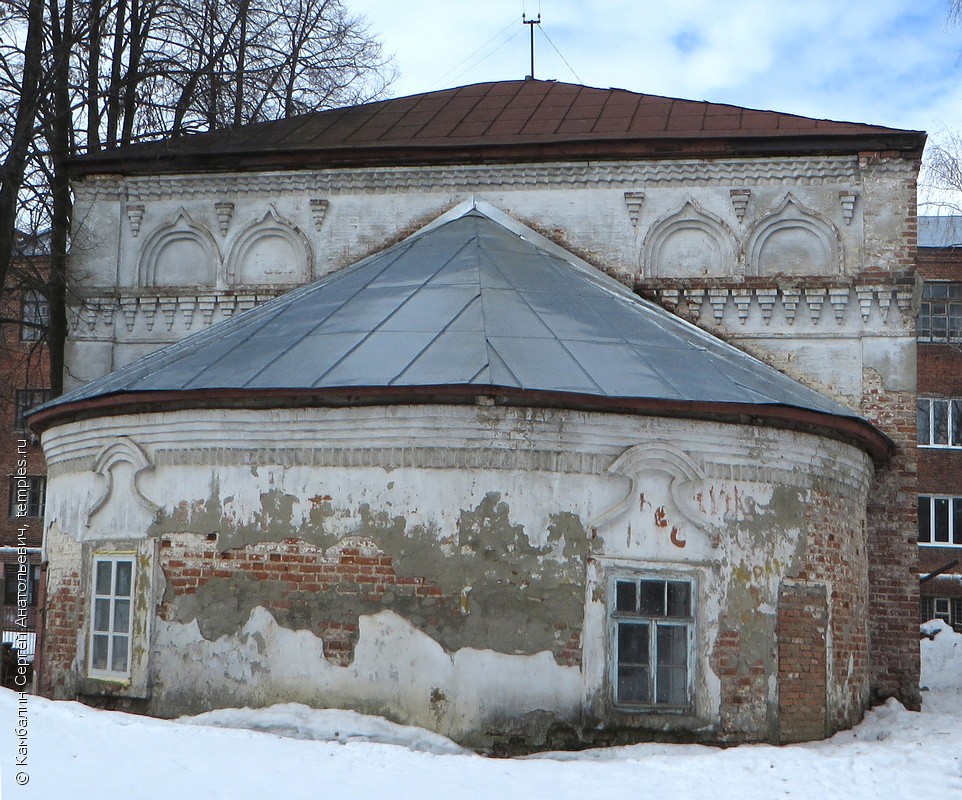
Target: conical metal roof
x,y
475,300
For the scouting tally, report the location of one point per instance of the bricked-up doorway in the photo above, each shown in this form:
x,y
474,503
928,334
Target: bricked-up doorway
x,y
802,698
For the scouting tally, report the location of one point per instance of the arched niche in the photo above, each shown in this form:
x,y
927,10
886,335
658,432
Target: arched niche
x,y
272,251
180,253
691,243
794,241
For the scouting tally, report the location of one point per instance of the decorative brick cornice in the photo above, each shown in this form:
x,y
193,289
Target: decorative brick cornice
x,y
738,304
720,172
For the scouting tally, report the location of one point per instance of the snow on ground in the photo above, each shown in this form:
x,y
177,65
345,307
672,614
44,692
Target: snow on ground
x,y
79,752
297,721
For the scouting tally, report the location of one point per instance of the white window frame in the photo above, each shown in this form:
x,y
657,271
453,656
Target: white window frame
x,y
618,617
953,536
953,422
111,600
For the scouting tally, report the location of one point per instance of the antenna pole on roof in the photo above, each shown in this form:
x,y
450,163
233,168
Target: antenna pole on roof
x,y
531,23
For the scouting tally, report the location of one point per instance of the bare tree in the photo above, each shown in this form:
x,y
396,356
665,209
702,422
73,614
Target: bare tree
x,y
940,182
78,76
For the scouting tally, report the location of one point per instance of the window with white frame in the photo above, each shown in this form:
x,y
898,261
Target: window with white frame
x,y
948,609
112,620
940,521
939,422
652,636
940,313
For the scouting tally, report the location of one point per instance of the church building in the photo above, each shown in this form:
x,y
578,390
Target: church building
x,y
535,414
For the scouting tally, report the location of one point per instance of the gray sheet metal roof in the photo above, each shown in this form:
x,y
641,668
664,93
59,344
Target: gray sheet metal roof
x,y
475,299
940,231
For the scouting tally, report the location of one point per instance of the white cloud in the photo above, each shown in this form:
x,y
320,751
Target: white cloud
x,y
890,62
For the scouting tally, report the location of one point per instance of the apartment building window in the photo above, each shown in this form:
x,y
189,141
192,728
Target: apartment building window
x,y
652,636
939,422
11,581
110,633
27,495
940,315
948,609
27,399
34,316
940,521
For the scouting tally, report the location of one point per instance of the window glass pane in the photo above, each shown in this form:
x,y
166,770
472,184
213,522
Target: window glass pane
x,y
940,422
633,643
955,321
652,598
626,596
672,673
925,321
99,656
927,610
124,570
956,610
956,430
10,584
679,599
633,685
922,421
672,645
122,616
103,577
925,519
118,660
101,615
941,519
957,520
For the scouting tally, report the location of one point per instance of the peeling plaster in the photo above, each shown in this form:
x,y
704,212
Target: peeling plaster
x,y
526,598
398,672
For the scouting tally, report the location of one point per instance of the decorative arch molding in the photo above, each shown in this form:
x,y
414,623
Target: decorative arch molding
x,y
179,253
657,457
272,251
121,451
690,243
794,240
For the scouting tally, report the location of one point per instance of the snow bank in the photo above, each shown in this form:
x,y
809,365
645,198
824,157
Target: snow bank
x,y
941,657
297,721
298,752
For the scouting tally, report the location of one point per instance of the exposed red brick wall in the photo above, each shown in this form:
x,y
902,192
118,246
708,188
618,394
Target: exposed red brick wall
x,y
802,673
812,689
940,375
835,556
64,618
940,263
23,365
744,689
893,549
294,571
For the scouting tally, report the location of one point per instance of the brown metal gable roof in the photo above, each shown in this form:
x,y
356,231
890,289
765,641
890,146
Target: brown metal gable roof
x,y
507,120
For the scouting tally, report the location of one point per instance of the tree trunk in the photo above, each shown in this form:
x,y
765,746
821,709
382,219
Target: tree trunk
x,y
14,165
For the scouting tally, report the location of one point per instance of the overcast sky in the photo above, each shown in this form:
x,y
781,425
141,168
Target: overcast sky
x,y
888,62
